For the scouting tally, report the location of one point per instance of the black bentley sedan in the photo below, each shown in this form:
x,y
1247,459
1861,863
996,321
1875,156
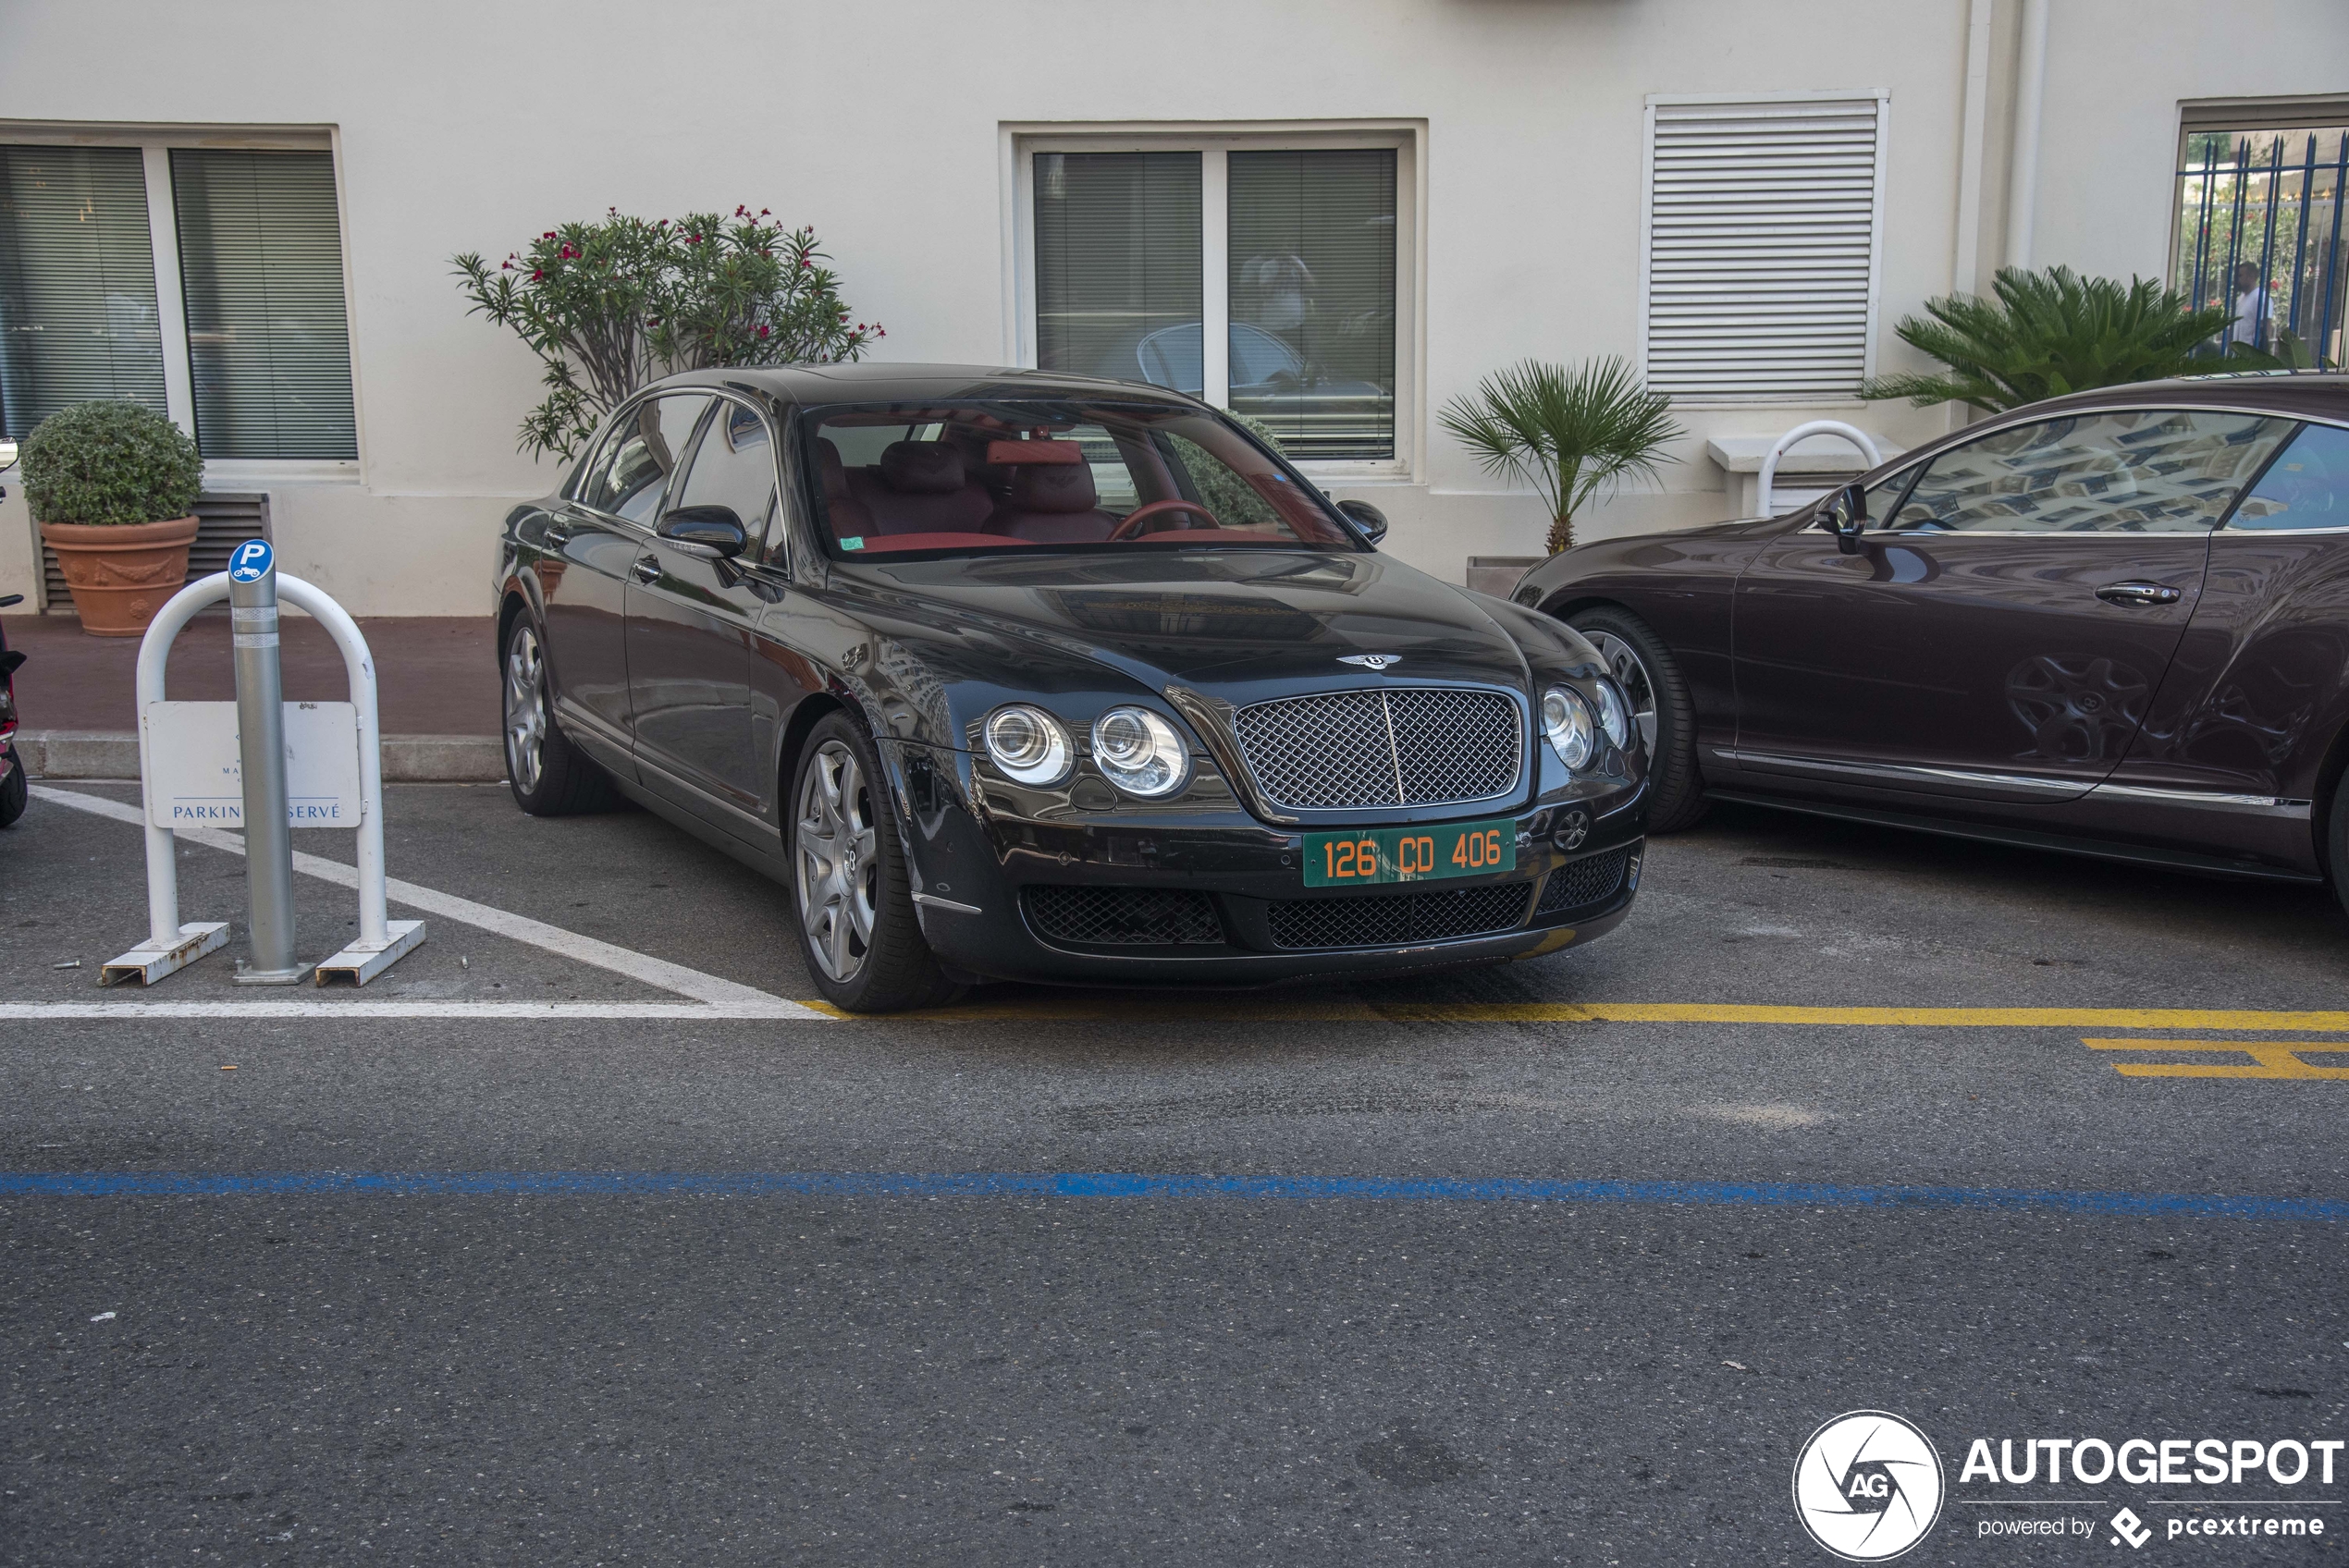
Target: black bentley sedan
x,y
1016,675
2115,623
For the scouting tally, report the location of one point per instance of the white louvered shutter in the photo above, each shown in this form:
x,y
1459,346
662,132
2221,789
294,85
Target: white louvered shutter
x,y
1761,236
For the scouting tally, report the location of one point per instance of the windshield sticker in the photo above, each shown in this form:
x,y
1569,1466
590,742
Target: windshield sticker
x,y
855,542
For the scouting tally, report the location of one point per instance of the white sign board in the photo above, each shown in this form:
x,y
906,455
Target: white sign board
x,y
195,778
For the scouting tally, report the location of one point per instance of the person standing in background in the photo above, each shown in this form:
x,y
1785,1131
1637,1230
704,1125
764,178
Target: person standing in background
x,y
2250,324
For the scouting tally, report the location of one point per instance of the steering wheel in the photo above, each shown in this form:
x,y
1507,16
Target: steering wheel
x,y
1132,526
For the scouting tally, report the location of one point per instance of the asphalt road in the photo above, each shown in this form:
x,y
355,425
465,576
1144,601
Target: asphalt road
x,y
1500,1283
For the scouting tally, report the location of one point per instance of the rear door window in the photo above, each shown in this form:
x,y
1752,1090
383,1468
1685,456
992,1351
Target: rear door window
x,y
2305,487
2140,470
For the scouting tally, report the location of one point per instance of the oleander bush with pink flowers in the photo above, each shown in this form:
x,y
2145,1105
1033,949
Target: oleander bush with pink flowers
x,y
611,305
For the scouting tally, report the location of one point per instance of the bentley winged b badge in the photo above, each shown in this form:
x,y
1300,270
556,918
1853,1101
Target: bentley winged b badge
x,y
1371,661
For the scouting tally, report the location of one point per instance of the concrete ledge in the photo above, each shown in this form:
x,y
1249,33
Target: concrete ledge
x,y
410,759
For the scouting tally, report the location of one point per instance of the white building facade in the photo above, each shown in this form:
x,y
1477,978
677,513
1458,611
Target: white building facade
x,y
1336,218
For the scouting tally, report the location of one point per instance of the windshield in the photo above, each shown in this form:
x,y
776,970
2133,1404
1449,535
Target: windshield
x,y
955,478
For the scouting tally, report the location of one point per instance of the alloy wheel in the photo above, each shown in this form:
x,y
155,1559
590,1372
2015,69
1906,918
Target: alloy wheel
x,y
526,709
1623,662
838,860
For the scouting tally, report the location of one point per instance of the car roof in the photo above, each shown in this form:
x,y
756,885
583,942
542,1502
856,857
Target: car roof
x,y
874,382
2297,394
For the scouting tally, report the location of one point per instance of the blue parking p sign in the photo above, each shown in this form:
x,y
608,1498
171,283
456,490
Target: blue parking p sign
x,y
249,561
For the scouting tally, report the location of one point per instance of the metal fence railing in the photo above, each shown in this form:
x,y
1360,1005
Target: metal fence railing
x,y
2259,234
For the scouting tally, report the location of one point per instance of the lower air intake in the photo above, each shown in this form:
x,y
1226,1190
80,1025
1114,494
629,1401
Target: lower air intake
x,y
1398,921
1592,879
1138,917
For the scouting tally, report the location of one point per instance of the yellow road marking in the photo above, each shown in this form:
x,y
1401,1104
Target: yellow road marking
x,y
1152,1007
2269,1058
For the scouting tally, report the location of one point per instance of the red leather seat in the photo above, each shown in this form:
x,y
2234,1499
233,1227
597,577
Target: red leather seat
x,y
920,487
1053,504
850,518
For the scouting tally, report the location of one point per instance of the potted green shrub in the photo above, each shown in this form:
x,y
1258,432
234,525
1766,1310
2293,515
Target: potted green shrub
x,y
114,487
1571,432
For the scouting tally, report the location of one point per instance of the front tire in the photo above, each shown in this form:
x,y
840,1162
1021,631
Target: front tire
x,y
2337,841
13,790
548,776
858,928
1650,679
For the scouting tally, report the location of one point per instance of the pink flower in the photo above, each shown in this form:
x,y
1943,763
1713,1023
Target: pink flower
x,y
549,235
505,267
536,277
762,331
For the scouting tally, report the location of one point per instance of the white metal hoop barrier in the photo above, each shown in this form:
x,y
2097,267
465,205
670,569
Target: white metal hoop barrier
x,y
190,775
1786,443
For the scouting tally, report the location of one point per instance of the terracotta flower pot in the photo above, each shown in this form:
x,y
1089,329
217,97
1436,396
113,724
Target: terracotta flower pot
x,y
120,576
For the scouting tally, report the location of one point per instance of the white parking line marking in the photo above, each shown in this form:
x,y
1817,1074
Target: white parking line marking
x,y
675,1012
672,977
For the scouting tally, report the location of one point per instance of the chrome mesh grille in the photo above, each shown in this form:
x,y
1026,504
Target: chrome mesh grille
x,y
1391,922
1413,745
1124,916
1584,881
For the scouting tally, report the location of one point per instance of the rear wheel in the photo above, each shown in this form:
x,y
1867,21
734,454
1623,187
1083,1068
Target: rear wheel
x,y
2337,841
858,928
546,773
1651,679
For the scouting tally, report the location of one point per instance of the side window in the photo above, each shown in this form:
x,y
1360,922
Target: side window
x,y
644,454
2152,470
2308,486
734,467
1885,494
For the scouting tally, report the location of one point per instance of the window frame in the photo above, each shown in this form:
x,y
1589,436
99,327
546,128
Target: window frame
x,y
1214,142
155,144
770,550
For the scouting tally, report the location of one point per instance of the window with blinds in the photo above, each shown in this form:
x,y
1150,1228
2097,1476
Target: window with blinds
x,y
261,265
1762,237
78,317
1118,266
1312,297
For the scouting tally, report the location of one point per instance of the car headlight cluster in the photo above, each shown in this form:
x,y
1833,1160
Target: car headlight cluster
x,y
1028,744
1568,725
1615,715
1140,752
1136,749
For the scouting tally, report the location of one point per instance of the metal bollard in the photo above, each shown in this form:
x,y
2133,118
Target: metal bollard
x,y
261,729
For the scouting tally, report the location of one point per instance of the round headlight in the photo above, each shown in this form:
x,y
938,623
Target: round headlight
x,y
1028,744
1615,715
1140,752
1565,719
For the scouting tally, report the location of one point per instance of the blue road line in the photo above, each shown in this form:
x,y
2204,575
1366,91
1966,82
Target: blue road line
x,y
1113,1184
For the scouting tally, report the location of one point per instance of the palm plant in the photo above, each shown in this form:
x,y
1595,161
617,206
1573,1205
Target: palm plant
x,y
1569,431
2048,332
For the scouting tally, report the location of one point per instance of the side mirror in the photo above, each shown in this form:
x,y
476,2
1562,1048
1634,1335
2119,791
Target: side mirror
x,y
1366,516
1845,515
707,533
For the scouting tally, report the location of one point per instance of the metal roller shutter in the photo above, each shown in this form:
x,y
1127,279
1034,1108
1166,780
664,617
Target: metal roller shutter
x,y
1760,264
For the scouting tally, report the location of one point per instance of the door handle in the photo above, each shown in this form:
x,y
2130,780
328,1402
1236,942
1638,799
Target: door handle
x,y
647,570
2138,594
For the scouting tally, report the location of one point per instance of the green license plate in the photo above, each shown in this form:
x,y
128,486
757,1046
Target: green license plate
x,y
1372,855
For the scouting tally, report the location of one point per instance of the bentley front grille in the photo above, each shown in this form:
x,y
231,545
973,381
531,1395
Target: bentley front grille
x,y
1398,746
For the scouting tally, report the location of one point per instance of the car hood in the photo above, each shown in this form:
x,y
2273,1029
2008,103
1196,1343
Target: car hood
x,y
1238,625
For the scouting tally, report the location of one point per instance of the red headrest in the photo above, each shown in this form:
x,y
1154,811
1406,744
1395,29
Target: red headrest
x,y
1052,487
835,475
1005,452
922,468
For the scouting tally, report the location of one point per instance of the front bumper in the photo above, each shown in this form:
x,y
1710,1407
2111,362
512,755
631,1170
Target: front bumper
x,y
1237,892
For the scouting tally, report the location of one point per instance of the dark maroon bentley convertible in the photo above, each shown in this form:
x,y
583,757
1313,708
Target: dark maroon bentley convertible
x,y
2115,623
